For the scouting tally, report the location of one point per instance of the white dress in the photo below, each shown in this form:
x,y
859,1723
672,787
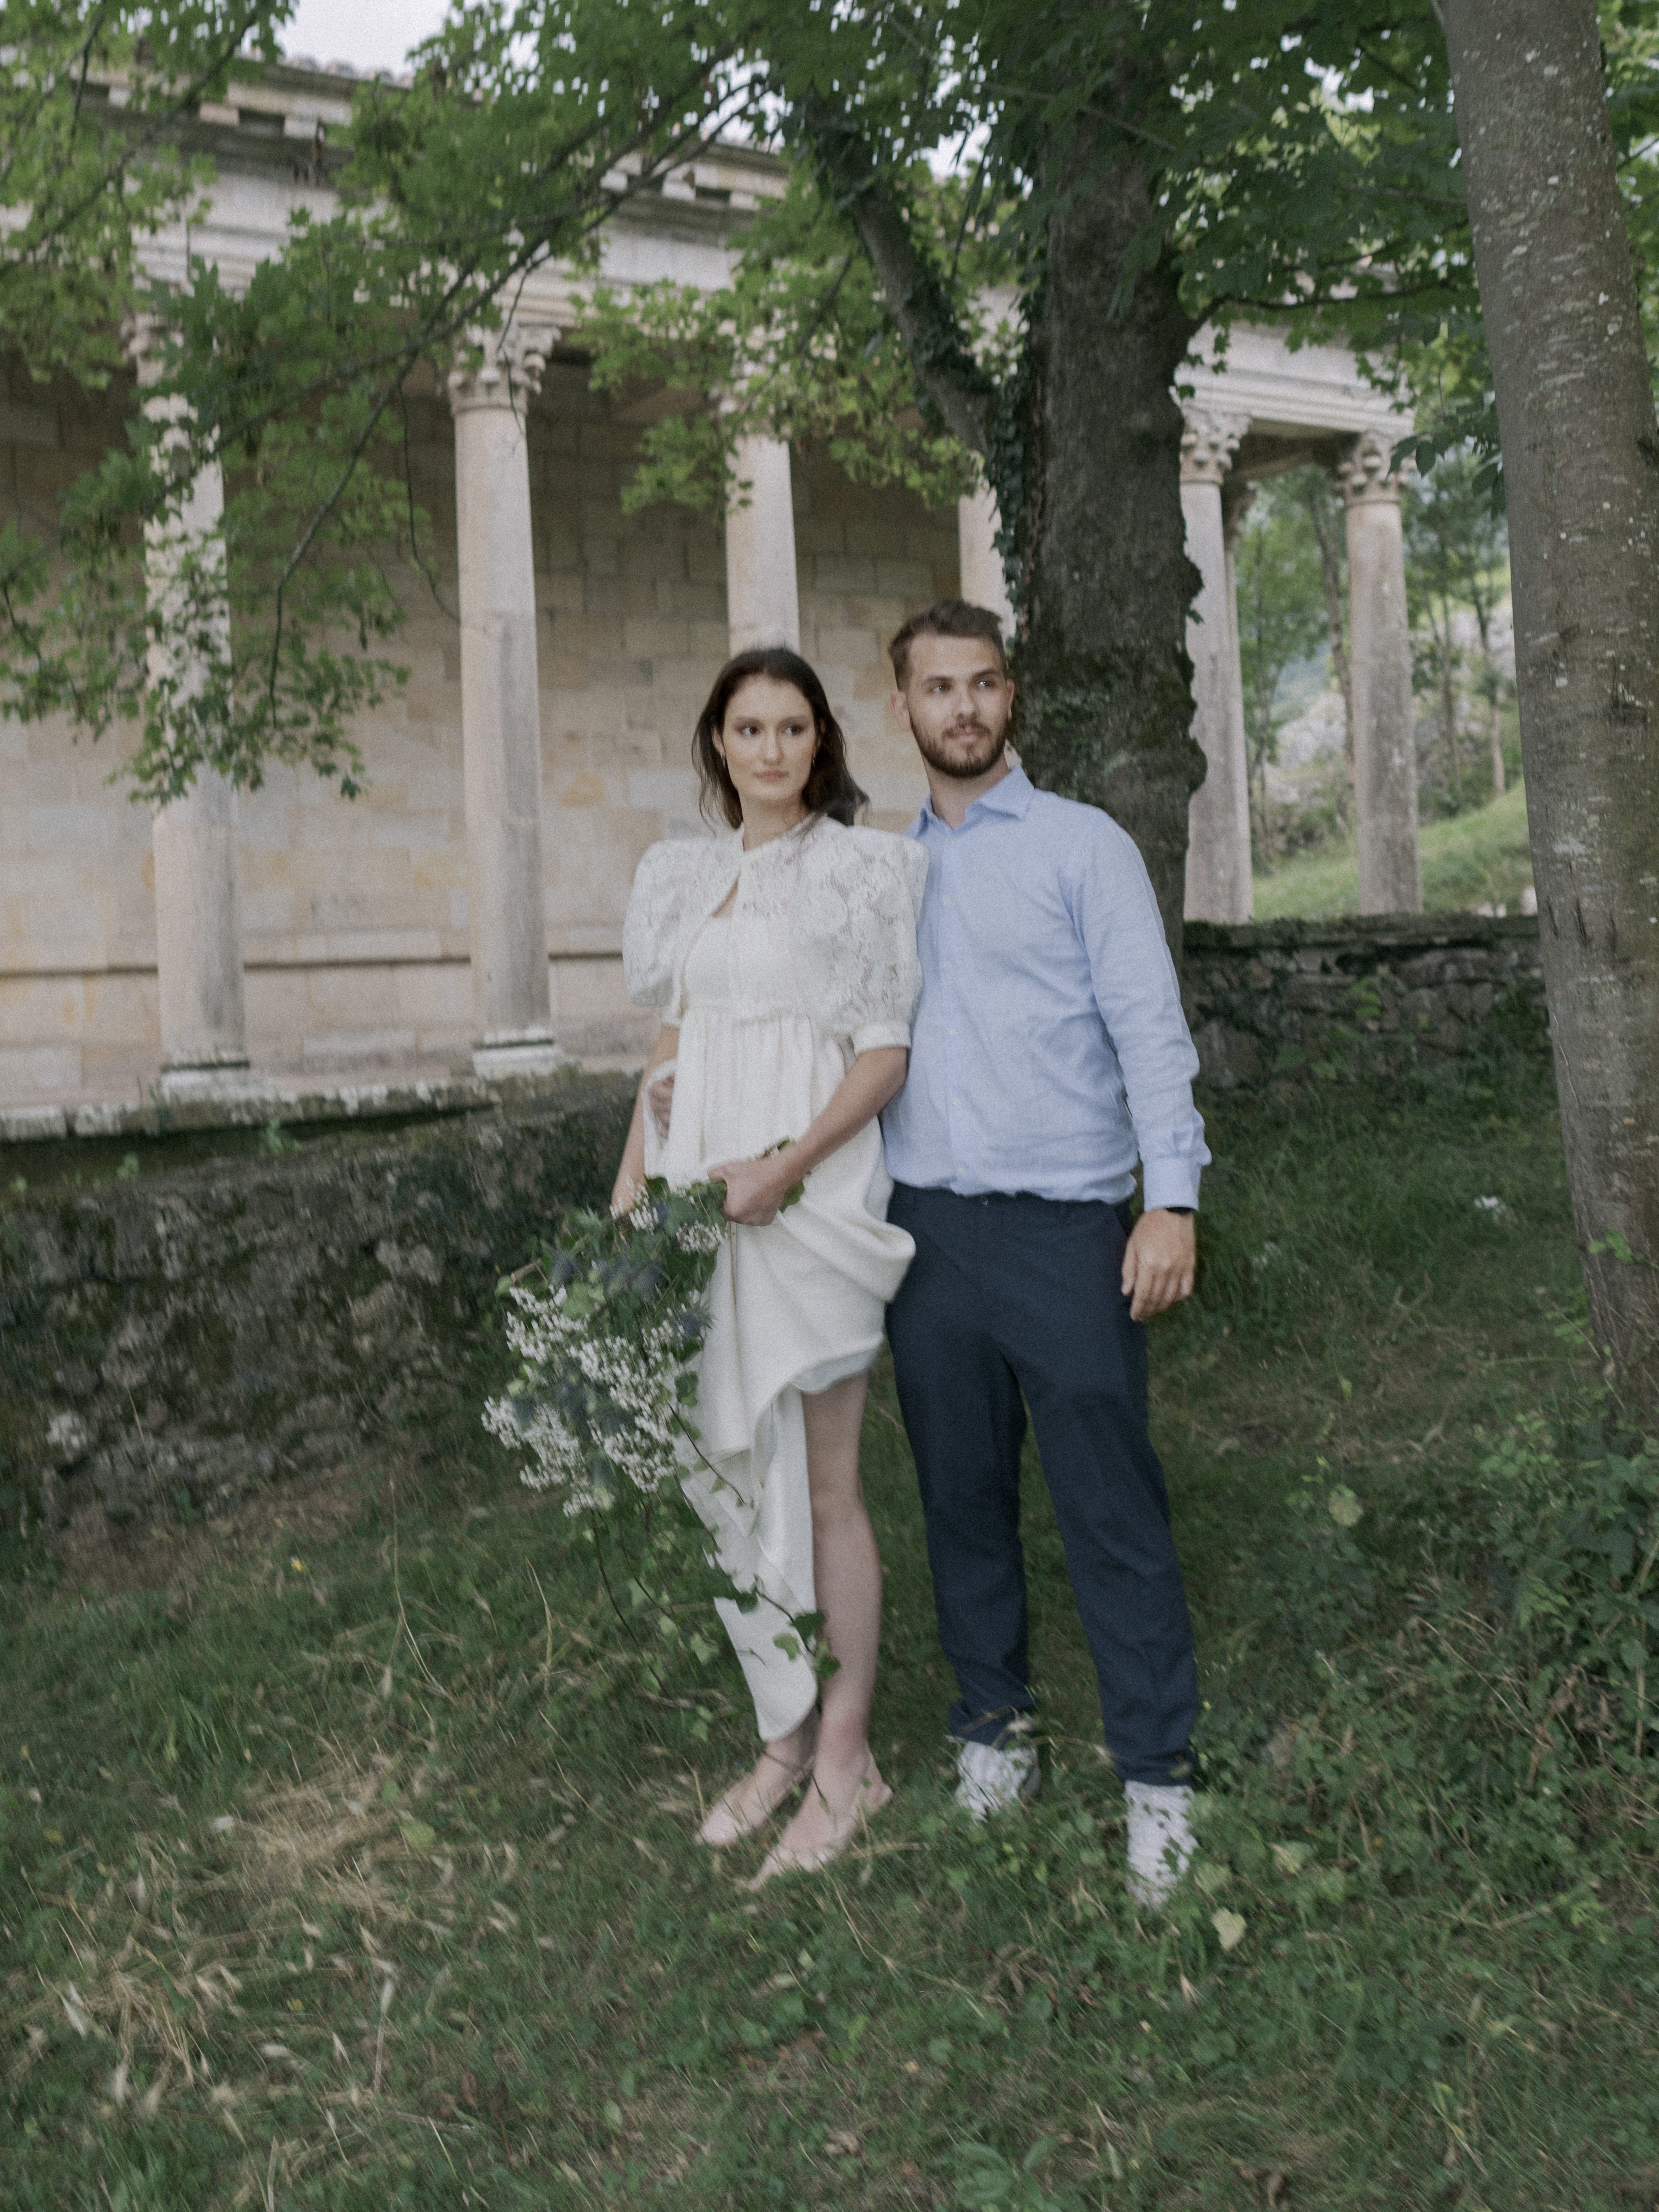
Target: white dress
x,y
816,963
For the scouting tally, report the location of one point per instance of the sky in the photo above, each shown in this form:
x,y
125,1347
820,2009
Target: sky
x,y
370,34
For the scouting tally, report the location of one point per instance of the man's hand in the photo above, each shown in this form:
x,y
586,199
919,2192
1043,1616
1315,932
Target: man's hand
x,y
755,1190
1159,1262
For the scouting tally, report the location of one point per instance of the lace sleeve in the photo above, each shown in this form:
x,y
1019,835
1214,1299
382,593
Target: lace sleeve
x,y
861,946
655,923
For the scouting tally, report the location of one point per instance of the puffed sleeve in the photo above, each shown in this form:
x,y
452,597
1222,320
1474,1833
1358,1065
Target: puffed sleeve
x,y
654,924
865,911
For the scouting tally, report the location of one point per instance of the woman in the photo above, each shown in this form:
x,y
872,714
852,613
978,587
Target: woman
x,y
783,958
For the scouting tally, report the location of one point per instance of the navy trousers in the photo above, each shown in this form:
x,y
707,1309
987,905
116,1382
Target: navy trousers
x,y
1015,1297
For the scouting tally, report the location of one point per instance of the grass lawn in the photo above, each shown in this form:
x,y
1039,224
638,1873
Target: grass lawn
x,y
1479,859
347,1863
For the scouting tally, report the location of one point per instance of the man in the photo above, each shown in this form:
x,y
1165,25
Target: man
x,y
1048,1052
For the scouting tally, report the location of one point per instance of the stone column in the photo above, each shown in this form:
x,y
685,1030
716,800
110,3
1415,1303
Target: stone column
x,y
501,703
1380,649
1218,886
763,597
198,903
984,584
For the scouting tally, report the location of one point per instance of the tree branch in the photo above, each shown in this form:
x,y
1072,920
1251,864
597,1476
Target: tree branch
x,y
915,294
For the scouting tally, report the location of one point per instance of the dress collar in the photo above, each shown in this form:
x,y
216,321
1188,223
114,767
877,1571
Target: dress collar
x,y
789,842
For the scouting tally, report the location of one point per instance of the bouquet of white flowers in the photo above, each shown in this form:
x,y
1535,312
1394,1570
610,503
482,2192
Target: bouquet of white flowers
x,y
607,1324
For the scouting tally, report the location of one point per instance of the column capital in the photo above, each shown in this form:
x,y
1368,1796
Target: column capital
x,y
508,367
1365,476
1210,437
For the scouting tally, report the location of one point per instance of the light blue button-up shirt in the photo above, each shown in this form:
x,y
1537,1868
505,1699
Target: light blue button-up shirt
x,y
1050,1049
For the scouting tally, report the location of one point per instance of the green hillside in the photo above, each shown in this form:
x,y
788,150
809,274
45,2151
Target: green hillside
x,y
1479,858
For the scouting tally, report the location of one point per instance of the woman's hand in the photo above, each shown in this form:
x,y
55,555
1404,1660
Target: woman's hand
x,y
659,1100
755,1189
624,1193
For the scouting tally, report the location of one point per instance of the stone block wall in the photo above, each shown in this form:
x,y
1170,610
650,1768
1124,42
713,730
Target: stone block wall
x,y
170,1340
1377,996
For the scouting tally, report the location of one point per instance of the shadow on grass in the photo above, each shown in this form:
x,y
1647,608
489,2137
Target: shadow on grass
x,y
348,1860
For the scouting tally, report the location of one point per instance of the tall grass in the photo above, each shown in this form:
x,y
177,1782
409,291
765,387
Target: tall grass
x,y
347,1859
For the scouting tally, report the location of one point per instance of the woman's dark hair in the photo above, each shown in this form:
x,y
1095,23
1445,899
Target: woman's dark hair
x,y
830,788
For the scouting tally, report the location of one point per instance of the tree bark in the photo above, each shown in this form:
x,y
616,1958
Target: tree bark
x,y
1581,462
1106,681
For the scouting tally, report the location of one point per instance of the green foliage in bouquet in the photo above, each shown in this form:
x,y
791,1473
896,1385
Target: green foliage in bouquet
x,y
607,1324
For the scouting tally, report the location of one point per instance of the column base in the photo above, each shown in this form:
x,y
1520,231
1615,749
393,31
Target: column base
x,y
531,1055
221,1080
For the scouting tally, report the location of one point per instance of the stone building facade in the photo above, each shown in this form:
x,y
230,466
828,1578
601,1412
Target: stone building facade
x,y
467,906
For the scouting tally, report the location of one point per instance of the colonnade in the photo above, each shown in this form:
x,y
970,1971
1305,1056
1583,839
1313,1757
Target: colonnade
x,y
194,840
1213,503
198,898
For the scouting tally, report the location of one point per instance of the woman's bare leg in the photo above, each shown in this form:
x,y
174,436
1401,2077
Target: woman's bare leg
x,y
847,1576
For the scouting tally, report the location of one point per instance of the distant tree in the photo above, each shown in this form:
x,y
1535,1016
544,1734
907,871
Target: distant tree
x,y
1457,546
98,99
1312,488
296,385
1281,620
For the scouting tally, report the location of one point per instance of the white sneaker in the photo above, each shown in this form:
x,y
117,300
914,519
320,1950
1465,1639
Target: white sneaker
x,y
1161,1840
992,1780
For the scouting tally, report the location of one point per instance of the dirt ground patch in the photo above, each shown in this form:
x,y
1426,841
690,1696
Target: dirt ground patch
x,y
120,1559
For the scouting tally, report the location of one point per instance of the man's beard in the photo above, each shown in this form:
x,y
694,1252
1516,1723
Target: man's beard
x,y
953,761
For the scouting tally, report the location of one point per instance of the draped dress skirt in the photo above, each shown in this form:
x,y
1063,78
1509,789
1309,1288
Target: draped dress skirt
x,y
794,1307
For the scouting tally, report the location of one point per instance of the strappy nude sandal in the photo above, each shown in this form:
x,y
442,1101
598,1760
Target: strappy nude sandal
x,y
727,1824
872,1792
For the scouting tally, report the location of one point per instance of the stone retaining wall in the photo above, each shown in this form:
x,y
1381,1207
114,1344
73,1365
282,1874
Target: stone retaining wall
x,y
174,1338
1378,996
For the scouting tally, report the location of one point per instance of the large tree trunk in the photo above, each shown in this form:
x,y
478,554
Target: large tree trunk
x,y
1581,463
1092,471
1106,583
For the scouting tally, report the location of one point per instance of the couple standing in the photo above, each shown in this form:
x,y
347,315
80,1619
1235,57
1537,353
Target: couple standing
x,y
968,1036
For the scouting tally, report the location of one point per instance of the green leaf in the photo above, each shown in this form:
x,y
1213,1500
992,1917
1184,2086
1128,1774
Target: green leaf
x,y
1229,1928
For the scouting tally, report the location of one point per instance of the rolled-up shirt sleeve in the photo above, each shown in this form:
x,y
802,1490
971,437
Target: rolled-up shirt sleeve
x,y
1139,997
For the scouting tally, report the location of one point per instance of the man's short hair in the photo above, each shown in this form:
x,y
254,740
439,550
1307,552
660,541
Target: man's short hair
x,y
946,618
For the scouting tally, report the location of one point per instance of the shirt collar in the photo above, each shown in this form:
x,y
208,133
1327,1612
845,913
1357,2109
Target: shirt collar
x,y
1012,796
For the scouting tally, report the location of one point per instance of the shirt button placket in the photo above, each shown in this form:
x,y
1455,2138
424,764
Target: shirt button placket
x,y
953,1072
